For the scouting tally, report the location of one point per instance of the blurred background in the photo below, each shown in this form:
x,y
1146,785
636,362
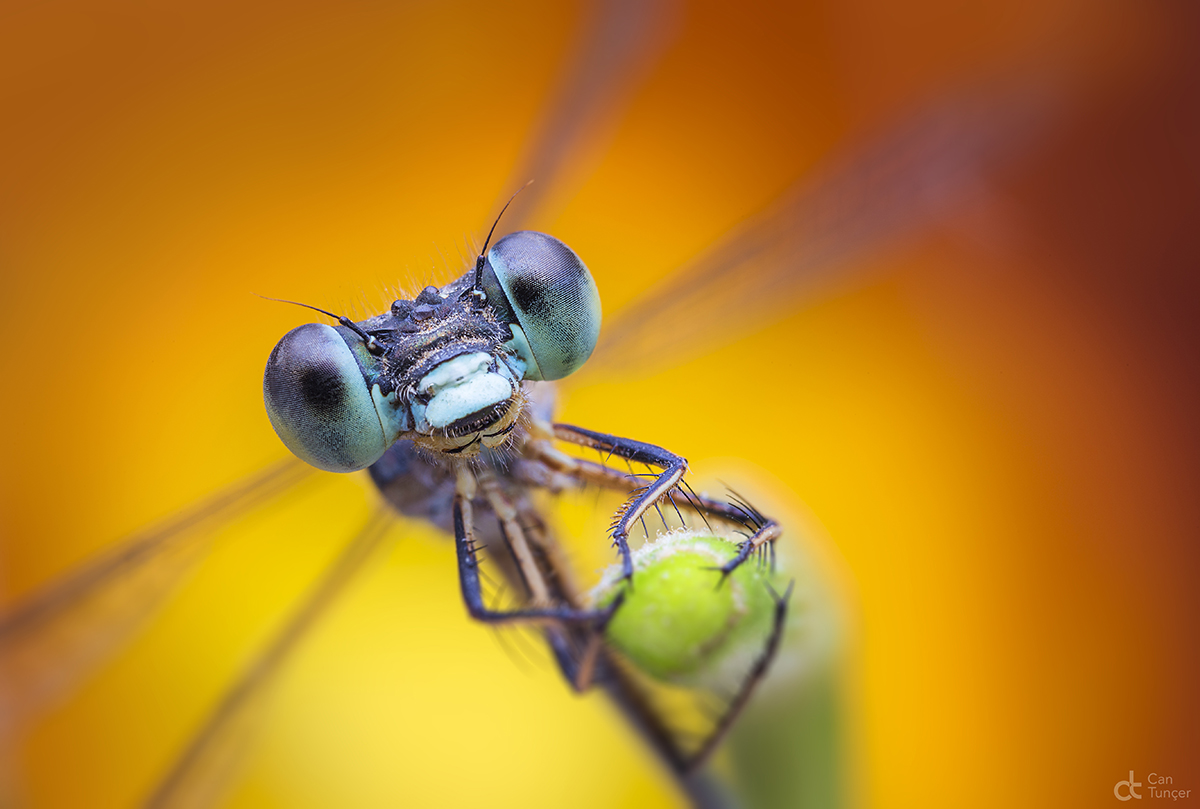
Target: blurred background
x,y
989,422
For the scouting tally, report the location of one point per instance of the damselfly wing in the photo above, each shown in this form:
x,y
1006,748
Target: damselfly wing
x,y
768,253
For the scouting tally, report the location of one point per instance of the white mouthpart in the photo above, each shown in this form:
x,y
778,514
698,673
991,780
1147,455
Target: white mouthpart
x,y
460,387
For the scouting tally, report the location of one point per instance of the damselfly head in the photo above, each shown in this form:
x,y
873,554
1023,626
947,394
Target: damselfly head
x,y
444,369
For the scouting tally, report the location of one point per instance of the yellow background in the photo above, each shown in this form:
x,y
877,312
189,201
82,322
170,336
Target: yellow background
x,y
995,424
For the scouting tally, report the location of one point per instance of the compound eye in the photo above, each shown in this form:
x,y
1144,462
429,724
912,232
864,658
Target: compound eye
x,y
319,403
538,283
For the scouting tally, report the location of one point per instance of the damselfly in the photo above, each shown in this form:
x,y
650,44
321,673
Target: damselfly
x,y
881,191
435,397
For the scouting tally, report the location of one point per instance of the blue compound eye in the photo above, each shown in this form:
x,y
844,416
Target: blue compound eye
x,y
538,285
319,401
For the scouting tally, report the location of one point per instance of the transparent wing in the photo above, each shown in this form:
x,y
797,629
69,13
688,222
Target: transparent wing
x,y
208,764
618,42
818,233
57,636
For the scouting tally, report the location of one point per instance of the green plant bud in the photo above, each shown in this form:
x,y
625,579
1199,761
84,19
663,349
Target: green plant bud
x,y
680,623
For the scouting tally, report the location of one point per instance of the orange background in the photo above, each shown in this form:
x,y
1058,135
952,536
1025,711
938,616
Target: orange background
x,y
996,425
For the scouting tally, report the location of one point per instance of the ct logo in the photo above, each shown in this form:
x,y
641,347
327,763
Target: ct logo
x,y
1129,791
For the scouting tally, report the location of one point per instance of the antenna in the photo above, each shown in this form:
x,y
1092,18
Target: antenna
x,y
477,288
370,342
